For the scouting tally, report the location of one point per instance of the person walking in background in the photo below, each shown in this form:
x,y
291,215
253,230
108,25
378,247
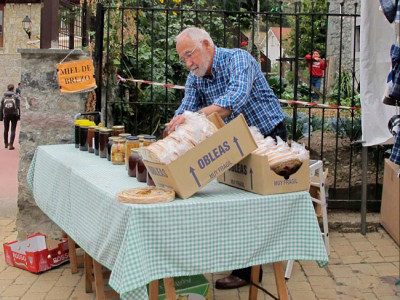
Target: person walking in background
x,y
18,90
10,113
316,67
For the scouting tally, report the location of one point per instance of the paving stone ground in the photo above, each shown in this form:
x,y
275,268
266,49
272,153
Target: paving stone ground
x,y
360,267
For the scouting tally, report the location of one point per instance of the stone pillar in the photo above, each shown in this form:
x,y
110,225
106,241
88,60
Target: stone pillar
x,y
47,117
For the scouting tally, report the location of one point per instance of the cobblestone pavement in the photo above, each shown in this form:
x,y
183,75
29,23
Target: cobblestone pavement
x,y
361,267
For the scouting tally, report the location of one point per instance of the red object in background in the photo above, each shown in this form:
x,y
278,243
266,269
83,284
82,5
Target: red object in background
x,y
244,43
37,253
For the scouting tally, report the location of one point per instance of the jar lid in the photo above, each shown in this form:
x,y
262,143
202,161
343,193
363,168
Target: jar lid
x,y
124,135
104,129
132,138
113,138
135,150
93,126
119,140
118,127
149,137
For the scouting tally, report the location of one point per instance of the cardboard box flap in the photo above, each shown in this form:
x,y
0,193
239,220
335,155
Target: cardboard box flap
x,y
216,119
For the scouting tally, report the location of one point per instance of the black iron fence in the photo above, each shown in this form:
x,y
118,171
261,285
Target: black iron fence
x,y
73,24
135,40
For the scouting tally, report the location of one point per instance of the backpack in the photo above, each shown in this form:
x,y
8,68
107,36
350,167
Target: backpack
x,y
10,107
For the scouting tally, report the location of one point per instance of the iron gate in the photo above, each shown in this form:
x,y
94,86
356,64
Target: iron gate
x,y
135,40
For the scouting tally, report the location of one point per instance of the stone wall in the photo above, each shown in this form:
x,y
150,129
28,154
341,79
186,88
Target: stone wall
x,y
14,38
333,40
46,118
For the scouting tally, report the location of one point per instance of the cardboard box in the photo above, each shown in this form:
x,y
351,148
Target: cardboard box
x,y
390,200
194,287
253,174
37,253
212,157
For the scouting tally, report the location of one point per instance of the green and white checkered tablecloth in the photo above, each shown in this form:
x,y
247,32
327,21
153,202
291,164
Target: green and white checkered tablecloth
x,y
220,228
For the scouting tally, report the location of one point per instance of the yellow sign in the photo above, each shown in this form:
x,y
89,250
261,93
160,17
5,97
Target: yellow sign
x,y
76,76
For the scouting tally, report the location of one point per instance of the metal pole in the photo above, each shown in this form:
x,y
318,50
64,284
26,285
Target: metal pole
x,y
98,55
364,156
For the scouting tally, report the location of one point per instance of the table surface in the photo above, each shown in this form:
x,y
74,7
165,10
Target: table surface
x,y
220,228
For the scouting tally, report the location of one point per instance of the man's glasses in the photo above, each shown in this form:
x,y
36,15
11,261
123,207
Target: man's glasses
x,y
187,56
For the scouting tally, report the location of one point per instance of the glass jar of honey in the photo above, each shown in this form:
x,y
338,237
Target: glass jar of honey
x,y
110,142
117,129
96,140
118,151
132,161
131,142
148,139
141,171
104,134
83,133
90,138
77,125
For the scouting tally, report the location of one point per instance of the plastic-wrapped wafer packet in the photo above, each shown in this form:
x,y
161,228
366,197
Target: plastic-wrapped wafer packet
x,y
192,132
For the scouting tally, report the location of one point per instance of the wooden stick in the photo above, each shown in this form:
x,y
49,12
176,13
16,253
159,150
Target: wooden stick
x,y
280,281
169,288
255,276
153,290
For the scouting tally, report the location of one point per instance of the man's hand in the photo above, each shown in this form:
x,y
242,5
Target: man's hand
x,y
175,122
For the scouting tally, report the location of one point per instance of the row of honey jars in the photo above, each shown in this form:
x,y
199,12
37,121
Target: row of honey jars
x,y
138,169
80,133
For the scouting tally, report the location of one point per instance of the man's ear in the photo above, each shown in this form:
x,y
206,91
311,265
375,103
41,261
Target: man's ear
x,y
206,44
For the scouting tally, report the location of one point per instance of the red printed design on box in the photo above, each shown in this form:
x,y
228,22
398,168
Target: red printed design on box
x,y
37,253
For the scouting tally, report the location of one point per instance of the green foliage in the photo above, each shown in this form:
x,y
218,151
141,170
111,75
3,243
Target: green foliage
x,y
312,28
304,125
346,128
344,93
141,45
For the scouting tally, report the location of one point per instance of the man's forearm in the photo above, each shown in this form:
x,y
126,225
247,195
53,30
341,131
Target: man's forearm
x,y
223,112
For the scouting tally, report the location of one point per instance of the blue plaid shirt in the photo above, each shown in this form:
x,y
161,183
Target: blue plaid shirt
x,y
395,156
237,84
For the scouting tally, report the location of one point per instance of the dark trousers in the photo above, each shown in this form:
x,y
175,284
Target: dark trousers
x,y
245,273
7,122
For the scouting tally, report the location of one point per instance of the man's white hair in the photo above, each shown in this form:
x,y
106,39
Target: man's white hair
x,y
197,35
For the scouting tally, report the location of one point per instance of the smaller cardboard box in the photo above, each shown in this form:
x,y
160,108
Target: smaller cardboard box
x,y
390,200
202,164
194,287
253,174
37,253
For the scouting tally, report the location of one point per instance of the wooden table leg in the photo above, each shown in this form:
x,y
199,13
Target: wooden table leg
x,y
280,281
153,290
88,267
255,276
169,288
73,261
98,280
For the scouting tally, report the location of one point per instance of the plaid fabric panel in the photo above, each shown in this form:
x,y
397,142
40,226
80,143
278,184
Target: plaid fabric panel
x,y
395,155
395,55
220,228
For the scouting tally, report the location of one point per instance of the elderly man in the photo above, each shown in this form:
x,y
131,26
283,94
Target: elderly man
x,y
229,82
